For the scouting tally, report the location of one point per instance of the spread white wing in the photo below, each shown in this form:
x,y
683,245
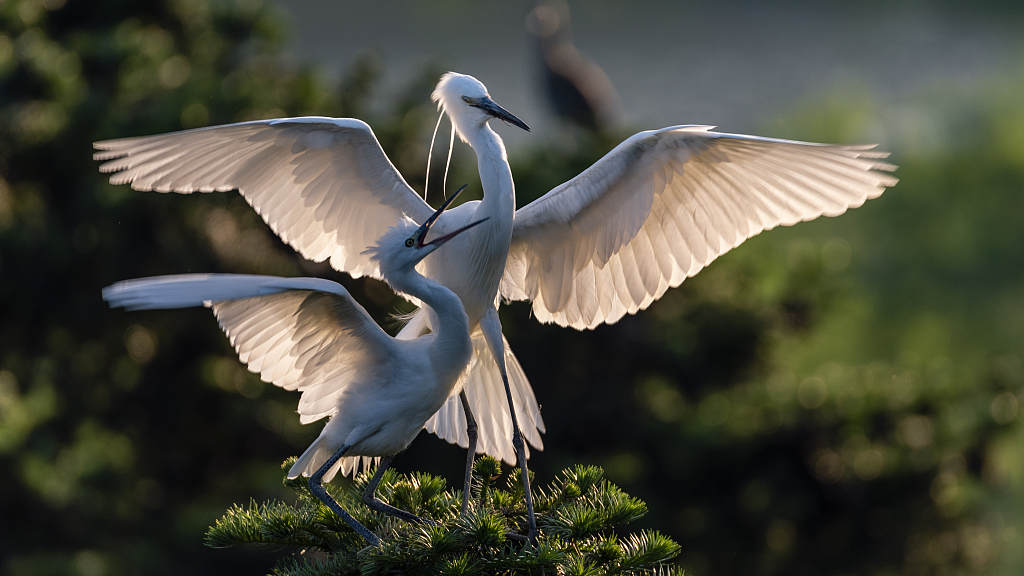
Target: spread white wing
x,y
305,334
665,203
324,185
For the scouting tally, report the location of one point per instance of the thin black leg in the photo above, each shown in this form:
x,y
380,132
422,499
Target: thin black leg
x,y
491,327
316,486
517,443
371,500
471,456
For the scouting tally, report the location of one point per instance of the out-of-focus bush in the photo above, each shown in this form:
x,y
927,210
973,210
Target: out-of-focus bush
x,y
123,435
841,397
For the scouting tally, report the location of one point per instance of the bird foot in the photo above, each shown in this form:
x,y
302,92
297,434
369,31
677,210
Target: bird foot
x,y
372,546
426,521
531,537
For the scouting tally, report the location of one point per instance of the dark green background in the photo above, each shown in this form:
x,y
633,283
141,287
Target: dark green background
x,y
840,397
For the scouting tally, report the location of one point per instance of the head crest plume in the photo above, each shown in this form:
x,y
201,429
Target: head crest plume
x,y
393,238
449,92
453,84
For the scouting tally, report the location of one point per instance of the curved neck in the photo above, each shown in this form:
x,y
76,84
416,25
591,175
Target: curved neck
x,y
452,329
495,174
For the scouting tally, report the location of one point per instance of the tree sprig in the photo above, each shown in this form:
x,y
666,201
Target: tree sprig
x,y
577,515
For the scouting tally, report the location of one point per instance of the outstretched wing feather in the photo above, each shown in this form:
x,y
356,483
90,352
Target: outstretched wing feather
x,y
661,206
324,185
305,334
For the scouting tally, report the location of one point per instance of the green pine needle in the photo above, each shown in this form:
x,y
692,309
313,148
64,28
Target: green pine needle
x,y
648,549
483,528
333,566
577,515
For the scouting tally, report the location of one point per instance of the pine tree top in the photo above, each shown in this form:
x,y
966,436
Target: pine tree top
x,y
577,515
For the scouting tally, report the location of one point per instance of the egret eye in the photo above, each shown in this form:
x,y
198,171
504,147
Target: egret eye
x,y
409,242
467,99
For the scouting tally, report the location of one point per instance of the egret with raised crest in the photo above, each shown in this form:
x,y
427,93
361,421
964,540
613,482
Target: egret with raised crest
x,y
652,212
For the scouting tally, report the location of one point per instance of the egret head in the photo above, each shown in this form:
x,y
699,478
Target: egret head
x,y
467,103
405,244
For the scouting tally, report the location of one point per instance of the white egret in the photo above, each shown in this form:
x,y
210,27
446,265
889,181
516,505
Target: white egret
x,y
309,334
652,212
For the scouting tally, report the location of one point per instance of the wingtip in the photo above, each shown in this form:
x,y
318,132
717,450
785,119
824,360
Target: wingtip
x,y
110,144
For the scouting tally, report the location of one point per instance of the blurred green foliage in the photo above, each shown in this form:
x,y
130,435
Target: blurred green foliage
x,y
840,397
121,436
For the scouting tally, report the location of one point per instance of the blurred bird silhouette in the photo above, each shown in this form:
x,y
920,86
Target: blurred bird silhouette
x,y
577,89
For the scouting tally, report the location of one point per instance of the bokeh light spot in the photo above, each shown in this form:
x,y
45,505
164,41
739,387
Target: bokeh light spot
x,y
1004,408
780,387
90,563
195,115
836,254
148,493
141,343
714,410
828,466
662,399
869,464
780,535
624,467
916,431
812,393
174,72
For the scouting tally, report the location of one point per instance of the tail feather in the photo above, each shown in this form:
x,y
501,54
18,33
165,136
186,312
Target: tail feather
x,y
318,453
486,394
311,460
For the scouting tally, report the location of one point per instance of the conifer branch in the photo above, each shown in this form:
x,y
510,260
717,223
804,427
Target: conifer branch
x,y
577,513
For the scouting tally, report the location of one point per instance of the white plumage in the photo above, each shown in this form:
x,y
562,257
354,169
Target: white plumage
x,y
310,335
652,212
661,206
325,186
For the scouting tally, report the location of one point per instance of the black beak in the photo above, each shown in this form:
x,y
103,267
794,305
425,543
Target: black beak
x,y
421,233
489,106
442,239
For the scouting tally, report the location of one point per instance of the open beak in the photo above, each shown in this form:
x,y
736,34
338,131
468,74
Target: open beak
x,y
422,231
442,239
489,106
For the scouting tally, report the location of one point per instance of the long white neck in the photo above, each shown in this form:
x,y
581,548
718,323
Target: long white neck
x,y
499,201
451,348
